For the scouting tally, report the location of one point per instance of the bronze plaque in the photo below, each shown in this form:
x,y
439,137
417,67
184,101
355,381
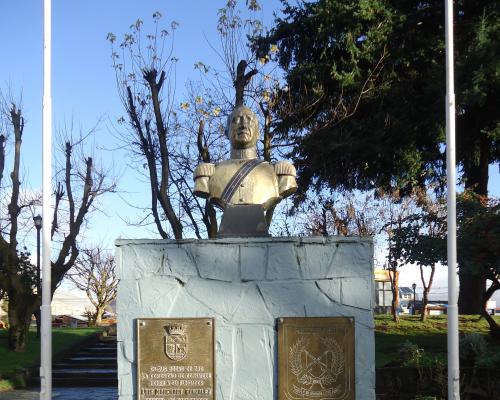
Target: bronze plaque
x,y
175,359
316,358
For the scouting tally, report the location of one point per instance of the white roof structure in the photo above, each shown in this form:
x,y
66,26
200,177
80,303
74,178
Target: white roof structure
x,y
70,303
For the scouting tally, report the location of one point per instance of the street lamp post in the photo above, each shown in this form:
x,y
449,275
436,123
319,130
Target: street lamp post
x,y
38,225
414,286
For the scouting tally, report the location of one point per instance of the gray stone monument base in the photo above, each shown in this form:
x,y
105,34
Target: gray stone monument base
x,y
246,284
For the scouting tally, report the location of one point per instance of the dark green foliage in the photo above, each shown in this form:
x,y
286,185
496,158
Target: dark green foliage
x,y
479,235
421,240
421,248
473,347
422,235
409,353
365,102
25,269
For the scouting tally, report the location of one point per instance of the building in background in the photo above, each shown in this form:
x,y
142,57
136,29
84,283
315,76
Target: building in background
x,y
64,303
383,292
68,303
405,293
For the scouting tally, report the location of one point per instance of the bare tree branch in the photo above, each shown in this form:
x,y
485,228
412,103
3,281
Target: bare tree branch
x,y
94,273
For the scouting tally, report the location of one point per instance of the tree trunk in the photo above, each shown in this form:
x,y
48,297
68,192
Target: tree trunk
x,y
20,312
212,220
38,318
241,81
472,288
99,311
427,289
394,308
494,328
425,301
395,295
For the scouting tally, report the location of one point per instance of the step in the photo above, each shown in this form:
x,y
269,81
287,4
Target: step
x,y
108,339
97,349
85,382
80,382
84,373
107,343
85,365
76,357
98,346
99,353
96,364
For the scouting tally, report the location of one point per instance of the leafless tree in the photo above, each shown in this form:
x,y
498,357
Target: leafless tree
x,y
199,139
396,210
145,76
429,243
16,282
170,139
343,214
78,184
80,181
94,273
246,78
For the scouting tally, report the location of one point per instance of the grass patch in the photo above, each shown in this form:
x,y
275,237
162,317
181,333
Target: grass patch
x,y
62,339
5,384
429,335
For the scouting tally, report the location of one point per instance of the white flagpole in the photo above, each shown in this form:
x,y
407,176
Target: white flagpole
x,y
46,310
453,362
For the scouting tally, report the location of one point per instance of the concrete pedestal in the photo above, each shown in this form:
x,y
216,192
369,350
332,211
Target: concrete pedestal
x,y
246,284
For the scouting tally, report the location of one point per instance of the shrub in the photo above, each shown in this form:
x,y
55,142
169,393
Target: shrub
x,y
488,360
409,354
472,348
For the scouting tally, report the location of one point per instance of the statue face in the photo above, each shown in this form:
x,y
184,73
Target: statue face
x,y
243,128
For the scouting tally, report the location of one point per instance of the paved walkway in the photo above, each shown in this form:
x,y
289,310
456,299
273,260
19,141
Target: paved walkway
x,y
84,393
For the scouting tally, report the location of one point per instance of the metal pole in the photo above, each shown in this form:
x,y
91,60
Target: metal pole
x,y
38,281
46,342
453,363
414,299
38,272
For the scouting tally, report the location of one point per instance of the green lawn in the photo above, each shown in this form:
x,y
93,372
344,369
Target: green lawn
x,y
62,338
429,335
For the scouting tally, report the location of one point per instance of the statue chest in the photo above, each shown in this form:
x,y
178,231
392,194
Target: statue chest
x,y
260,186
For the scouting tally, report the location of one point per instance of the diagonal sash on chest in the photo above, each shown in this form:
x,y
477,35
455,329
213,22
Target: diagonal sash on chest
x,y
237,178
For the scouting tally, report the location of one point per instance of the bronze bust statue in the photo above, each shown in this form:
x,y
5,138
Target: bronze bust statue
x,y
244,186
244,179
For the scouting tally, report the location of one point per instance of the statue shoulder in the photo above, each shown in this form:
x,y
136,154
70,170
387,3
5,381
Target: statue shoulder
x,y
204,169
285,168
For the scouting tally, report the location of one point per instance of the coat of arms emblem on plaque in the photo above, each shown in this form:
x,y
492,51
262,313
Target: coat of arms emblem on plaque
x,y
316,358
176,342
316,373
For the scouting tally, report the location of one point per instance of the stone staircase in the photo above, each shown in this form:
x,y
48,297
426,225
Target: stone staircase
x,y
94,365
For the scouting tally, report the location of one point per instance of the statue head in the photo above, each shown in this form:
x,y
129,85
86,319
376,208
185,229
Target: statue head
x,y
242,128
